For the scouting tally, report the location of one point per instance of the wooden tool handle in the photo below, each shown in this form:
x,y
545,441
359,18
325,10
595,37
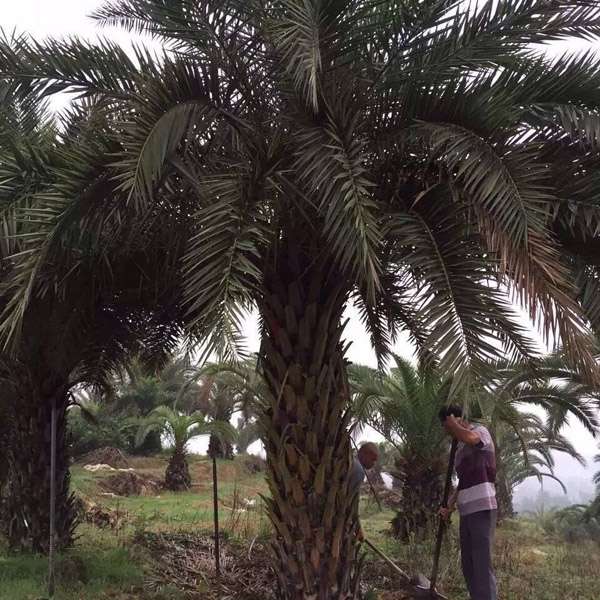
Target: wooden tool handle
x,y
388,560
442,524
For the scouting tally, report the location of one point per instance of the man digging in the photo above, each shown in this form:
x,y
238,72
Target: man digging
x,y
476,500
366,458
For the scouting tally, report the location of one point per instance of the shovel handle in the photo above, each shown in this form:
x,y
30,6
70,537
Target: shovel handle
x,y
442,524
388,560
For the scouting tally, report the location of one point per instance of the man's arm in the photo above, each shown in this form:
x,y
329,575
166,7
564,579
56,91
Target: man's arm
x,y
462,434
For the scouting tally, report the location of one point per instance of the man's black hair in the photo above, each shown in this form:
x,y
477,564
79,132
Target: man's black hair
x,y
452,409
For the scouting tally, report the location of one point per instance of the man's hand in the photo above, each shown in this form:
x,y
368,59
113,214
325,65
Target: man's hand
x,y
360,536
445,513
452,422
460,432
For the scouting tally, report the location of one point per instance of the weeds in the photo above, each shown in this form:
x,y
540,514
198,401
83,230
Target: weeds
x,y
532,560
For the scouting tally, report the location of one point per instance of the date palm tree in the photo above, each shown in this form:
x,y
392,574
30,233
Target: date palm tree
x,y
220,390
525,451
550,385
179,429
138,390
78,335
216,396
418,157
403,406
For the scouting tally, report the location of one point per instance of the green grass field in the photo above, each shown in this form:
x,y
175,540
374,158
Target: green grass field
x,y
106,564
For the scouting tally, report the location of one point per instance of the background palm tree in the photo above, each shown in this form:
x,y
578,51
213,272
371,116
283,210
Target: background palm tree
x,y
217,396
179,429
577,523
403,406
525,441
523,450
425,162
80,334
139,390
220,390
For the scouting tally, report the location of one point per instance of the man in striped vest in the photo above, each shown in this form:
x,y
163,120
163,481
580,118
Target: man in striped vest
x,y
476,500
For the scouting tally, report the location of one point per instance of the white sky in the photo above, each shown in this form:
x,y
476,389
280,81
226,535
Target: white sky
x,y
59,18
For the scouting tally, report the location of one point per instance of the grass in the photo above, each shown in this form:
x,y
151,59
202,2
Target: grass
x,y
97,568
104,564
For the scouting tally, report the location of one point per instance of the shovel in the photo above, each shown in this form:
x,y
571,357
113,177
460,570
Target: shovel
x,y
426,589
421,587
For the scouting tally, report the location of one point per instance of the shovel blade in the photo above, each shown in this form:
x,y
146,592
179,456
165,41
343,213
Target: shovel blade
x,y
425,591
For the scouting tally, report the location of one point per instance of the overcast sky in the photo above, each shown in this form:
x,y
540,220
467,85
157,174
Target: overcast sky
x,y
43,18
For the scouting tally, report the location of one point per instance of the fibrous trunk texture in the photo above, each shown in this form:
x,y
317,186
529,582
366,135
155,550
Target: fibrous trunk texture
x,y
177,475
422,492
27,489
504,494
305,431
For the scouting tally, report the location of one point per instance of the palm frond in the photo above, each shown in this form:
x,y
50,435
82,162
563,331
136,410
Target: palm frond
x,y
221,264
300,36
456,296
72,65
331,163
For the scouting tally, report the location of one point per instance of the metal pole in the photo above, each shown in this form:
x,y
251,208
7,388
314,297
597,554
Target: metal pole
x,y
52,498
216,518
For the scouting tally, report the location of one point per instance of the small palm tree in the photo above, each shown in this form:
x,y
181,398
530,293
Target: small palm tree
x,y
179,429
139,390
220,390
524,449
524,441
403,406
578,522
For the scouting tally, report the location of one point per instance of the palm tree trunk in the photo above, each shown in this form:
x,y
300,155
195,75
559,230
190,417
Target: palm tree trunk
x,y
422,493
504,493
177,475
504,497
306,434
27,501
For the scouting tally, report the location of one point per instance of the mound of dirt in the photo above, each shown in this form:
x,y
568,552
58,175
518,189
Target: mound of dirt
x,y
130,483
106,456
254,464
390,498
100,516
187,562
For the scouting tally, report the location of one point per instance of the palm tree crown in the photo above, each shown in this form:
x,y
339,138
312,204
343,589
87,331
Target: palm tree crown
x,y
179,429
424,149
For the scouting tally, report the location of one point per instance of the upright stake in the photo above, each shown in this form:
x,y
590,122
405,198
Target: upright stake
x,y
52,498
216,517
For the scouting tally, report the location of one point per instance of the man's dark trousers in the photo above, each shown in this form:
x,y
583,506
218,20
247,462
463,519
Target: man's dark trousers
x,y
476,541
